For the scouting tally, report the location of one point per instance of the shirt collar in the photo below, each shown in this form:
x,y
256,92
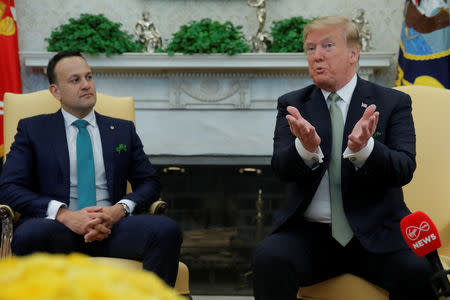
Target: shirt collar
x,y
69,118
345,92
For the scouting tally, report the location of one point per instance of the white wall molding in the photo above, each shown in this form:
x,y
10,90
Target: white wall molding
x,y
244,61
243,81
201,105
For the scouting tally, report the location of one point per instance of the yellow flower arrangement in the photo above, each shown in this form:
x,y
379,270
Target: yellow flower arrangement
x,y
76,277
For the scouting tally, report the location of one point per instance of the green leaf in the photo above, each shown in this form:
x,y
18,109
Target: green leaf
x,y
206,36
287,35
93,34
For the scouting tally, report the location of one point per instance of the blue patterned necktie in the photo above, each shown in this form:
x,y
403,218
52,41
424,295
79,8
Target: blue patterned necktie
x,y
85,167
340,227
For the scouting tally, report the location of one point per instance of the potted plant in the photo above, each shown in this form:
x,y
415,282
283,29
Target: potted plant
x,y
287,35
207,37
93,34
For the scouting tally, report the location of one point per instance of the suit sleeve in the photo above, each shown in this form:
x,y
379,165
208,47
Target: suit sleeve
x,y
286,161
392,161
142,176
18,182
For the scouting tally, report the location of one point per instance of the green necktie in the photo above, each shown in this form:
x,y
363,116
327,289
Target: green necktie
x,y
340,228
85,167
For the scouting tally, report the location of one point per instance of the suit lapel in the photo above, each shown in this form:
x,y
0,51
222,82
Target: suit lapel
x,y
59,144
106,130
317,113
361,99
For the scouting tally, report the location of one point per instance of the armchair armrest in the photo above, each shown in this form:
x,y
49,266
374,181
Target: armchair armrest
x,y
6,217
159,208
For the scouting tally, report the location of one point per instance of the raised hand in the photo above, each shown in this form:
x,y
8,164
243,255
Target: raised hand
x,y
303,130
364,129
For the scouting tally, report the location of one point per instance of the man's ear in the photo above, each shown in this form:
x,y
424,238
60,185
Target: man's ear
x,y
354,54
53,88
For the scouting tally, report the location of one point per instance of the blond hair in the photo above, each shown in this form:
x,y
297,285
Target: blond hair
x,y
350,30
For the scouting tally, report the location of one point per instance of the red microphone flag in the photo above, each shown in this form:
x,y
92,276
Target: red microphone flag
x,y
9,58
420,233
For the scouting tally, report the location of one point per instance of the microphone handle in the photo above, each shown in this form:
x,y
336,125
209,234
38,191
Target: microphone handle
x,y
439,278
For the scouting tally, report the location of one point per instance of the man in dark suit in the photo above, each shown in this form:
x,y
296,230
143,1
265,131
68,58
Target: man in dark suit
x,y
66,206
345,147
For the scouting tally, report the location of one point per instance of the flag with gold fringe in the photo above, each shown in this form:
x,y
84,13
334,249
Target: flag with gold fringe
x,y
424,53
9,58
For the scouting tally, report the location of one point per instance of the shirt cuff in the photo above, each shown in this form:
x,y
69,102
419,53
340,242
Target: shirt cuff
x,y
53,207
311,159
131,204
359,158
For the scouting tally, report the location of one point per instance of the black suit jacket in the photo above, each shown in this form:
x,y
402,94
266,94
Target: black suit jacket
x,y
37,167
372,195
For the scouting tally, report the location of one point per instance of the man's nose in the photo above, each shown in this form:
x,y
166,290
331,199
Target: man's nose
x,y
85,84
318,54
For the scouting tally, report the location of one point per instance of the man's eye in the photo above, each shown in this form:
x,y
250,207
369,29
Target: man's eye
x,y
89,77
75,80
329,45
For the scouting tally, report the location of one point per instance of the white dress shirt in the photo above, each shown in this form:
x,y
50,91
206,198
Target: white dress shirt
x,y
319,209
102,194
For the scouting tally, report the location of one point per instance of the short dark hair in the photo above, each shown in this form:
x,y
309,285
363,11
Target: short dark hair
x,y
55,59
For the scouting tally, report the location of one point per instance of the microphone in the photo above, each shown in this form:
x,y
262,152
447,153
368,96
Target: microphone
x,y
423,238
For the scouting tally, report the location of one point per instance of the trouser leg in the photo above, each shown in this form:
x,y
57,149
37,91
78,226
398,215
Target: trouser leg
x,y
402,273
155,240
300,256
44,235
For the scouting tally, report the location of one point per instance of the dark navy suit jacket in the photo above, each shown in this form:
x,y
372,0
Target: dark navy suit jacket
x,y
372,195
37,167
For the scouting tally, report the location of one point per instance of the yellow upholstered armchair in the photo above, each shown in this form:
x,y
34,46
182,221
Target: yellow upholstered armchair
x,y
18,106
429,191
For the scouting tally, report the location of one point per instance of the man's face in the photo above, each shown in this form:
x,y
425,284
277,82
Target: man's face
x,y
74,86
331,63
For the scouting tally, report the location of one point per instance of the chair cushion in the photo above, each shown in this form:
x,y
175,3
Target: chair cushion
x,y
120,262
181,284
343,287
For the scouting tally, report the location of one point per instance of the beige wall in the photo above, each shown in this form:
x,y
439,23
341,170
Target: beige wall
x,y
36,19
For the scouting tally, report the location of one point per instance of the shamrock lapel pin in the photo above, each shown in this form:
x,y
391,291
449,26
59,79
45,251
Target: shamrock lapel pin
x,y
121,148
377,133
